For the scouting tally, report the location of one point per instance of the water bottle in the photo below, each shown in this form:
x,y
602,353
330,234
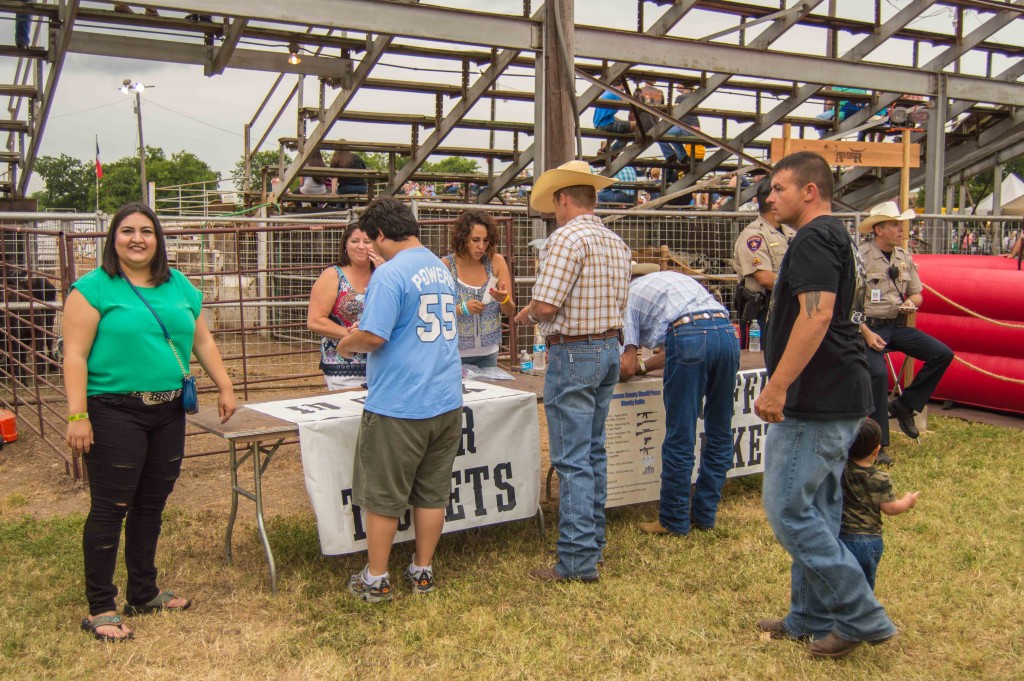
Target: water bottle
x,y
539,351
754,342
525,362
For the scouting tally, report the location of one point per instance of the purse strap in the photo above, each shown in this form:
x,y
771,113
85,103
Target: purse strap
x,y
167,336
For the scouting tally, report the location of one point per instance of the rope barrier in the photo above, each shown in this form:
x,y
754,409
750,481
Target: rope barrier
x,y
1008,325
988,373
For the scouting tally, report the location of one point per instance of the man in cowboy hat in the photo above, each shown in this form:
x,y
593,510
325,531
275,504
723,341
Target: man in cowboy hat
x,y
578,302
671,311
893,292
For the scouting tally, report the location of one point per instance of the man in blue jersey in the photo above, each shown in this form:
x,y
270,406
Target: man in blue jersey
x,y
412,418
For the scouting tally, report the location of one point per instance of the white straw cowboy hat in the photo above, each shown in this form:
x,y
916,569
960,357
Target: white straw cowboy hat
x,y
884,212
639,269
568,174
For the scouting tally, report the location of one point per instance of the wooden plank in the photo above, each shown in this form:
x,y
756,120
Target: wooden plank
x,y
875,154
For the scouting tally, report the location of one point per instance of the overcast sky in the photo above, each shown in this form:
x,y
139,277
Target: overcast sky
x,y
183,109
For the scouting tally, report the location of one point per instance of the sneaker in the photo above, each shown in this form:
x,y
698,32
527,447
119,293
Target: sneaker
x,y
371,593
883,458
422,582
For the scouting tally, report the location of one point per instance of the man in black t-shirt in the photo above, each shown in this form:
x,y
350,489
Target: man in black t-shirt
x,y
817,395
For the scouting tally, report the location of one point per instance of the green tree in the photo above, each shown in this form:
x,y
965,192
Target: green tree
x,y
121,181
982,185
260,160
452,164
69,183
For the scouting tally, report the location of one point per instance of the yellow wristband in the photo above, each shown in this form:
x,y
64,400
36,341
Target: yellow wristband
x,y
508,297
78,417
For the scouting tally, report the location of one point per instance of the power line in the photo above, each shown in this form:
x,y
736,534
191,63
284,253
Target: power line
x,y
196,120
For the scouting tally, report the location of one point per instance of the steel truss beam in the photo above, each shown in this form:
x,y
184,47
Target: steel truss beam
x,y
778,28
805,92
472,28
223,57
1002,143
59,40
376,50
185,53
672,16
948,56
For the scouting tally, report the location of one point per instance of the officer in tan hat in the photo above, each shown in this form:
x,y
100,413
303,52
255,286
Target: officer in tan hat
x,y
578,302
893,292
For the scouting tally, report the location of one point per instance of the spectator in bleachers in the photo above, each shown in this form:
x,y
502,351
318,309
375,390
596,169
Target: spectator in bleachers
x,y
606,121
616,193
336,305
314,185
483,287
343,158
681,154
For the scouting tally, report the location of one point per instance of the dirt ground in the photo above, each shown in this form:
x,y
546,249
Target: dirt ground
x,y
33,482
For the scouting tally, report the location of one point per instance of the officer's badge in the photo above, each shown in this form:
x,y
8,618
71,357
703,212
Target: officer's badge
x,y
754,243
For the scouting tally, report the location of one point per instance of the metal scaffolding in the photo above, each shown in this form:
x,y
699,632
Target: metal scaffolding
x,y
783,59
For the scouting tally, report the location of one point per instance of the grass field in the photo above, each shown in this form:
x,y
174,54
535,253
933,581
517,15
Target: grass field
x,y
666,607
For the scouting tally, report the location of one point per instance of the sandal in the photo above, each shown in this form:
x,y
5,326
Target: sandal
x,y
106,621
158,603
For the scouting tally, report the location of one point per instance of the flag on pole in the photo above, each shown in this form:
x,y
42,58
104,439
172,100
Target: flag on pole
x,y
99,165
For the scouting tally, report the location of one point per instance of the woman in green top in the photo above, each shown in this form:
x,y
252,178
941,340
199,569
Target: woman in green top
x,y
126,417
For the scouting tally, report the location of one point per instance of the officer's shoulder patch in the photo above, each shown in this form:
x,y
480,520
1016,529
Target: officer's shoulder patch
x,y
754,243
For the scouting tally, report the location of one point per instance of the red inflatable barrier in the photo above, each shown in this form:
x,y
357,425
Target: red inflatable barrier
x,y
992,287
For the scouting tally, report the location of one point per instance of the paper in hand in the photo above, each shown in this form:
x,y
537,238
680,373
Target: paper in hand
x,y
491,283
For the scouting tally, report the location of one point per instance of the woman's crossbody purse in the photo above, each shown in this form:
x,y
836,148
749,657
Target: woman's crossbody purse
x,y
189,396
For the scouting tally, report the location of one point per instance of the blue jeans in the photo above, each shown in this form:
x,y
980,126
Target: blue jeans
x,y
615,196
674,148
867,549
578,388
701,360
803,499
22,29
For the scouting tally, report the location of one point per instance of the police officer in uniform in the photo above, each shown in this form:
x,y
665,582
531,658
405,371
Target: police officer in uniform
x,y
756,258
893,292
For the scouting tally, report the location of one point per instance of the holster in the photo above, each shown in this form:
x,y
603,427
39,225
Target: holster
x,y
748,305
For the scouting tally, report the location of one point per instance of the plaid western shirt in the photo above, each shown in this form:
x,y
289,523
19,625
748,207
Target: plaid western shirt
x,y
584,272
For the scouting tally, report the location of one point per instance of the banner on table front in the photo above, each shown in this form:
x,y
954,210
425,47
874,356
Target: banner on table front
x,y
496,476
636,430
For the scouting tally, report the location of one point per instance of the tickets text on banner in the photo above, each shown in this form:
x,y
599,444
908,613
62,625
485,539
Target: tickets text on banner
x,y
496,476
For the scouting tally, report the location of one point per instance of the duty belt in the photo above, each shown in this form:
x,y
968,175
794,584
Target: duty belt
x,y
559,338
897,321
687,318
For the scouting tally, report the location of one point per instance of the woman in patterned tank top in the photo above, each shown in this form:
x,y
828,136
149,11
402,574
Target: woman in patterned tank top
x,y
336,304
480,274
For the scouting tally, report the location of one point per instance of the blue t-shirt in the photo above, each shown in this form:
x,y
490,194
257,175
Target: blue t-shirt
x,y
410,303
604,116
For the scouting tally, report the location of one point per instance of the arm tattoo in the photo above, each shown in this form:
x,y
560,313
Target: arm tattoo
x,y
811,300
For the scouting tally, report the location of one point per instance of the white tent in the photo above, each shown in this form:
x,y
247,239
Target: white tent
x,y
1012,198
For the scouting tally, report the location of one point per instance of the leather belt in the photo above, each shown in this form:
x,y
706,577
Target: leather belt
x,y
559,338
687,318
897,321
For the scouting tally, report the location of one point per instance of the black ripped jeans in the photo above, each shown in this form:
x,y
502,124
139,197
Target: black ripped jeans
x,y
133,464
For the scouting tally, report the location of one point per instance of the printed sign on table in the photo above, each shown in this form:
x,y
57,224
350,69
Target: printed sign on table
x,y
636,430
495,479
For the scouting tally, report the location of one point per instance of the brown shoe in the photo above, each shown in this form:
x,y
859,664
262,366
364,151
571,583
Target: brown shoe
x,y
552,575
832,646
655,528
776,628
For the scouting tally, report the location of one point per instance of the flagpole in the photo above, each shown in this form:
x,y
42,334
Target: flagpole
x,y
97,175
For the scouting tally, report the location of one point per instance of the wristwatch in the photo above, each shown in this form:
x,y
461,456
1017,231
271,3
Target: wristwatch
x,y
643,368
530,317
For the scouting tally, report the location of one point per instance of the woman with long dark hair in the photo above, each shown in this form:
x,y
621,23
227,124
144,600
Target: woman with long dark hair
x,y
336,304
343,158
130,327
483,287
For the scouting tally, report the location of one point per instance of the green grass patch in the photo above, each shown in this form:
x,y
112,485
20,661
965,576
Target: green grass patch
x,y
665,608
